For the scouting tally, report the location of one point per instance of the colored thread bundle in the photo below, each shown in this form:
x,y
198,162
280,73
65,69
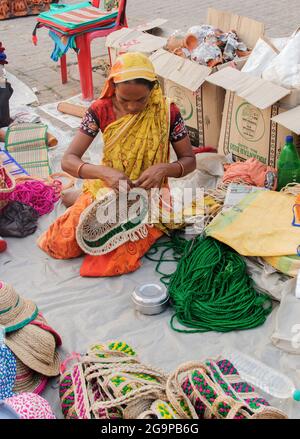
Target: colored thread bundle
x,y
210,289
37,194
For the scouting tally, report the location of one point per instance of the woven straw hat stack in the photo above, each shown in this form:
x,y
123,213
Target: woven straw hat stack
x,y
33,342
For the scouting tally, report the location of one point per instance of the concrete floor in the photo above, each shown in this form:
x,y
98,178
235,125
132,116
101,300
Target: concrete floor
x,y
32,64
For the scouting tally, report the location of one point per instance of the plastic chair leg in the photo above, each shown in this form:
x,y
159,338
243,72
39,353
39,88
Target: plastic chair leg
x,y
63,69
85,67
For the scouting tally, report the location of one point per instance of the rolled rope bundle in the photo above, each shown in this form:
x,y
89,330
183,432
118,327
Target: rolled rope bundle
x,y
210,289
40,195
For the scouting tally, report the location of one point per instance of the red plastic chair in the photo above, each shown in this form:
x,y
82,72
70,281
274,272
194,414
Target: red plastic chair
x,y
83,43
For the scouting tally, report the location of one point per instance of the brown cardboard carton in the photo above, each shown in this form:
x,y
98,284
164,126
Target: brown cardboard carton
x,y
185,81
289,119
254,124
135,40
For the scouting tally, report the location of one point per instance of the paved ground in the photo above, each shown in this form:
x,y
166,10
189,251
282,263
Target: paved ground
x,y
34,66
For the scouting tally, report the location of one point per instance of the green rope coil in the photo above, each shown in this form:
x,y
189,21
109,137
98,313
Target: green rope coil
x,y
210,289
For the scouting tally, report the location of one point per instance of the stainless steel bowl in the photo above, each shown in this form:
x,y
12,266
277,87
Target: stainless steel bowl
x,y
150,298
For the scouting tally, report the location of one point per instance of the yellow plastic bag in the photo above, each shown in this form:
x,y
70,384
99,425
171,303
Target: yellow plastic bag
x,y
289,265
260,225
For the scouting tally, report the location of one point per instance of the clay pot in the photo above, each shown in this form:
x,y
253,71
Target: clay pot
x,y
241,53
190,42
174,42
214,62
179,52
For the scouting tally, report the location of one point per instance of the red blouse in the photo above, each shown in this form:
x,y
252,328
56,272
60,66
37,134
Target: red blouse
x,y
101,113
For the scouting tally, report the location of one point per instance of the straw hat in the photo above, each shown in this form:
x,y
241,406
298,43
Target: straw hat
x,y
35,347
27,380
15,312
42,323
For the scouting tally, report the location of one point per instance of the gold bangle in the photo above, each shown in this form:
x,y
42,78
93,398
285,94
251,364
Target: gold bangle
x,y
79,168
182,168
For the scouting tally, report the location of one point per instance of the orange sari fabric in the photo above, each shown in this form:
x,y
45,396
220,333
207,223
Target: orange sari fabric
x,y
123,259
59,241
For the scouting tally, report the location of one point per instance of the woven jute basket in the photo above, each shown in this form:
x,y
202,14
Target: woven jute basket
x,y
109,382
214,390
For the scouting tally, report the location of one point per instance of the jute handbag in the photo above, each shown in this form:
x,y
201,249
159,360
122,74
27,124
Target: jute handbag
x,y
110,383
214,390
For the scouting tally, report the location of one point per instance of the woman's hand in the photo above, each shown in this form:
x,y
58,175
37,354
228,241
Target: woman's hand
x,y
116,179
152,177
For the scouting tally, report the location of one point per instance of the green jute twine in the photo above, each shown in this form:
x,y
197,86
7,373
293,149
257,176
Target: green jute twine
x,y
210,288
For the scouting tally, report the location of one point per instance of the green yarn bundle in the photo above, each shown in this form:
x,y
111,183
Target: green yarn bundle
x,y
210,289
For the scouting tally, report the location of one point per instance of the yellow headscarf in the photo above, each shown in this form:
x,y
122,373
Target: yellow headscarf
x,y
129,66
135,141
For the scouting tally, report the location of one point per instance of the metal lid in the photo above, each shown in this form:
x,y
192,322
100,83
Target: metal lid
x,y
150,294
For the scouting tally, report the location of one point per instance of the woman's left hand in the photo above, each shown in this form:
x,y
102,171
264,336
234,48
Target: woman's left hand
x,y
152,177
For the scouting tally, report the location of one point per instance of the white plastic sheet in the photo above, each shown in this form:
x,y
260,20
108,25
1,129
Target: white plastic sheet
x,y
284,70
261,57
22,95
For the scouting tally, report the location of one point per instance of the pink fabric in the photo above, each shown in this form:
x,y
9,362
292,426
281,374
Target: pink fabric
x,y
251,172
30,406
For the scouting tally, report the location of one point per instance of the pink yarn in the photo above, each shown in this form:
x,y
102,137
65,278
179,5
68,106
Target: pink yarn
x,y
38,195
30,406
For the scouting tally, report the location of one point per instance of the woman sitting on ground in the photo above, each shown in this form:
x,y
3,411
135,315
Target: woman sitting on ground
x,y
137,123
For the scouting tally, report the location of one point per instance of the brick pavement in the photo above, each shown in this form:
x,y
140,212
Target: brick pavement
x,y
34,67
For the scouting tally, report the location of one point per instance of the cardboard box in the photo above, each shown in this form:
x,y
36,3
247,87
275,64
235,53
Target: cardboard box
x,y
185,82
290,120
133,40
251,117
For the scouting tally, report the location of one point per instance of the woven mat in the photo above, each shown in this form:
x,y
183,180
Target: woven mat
x,y
13,167
27,144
